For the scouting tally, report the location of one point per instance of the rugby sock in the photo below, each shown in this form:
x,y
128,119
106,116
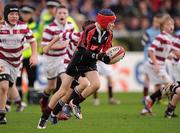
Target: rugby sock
x,y
79,99
46,113
58,107
146,89
170,108
20,93
17,101
2,113
8,102
110,93
74,94
95,95
155,95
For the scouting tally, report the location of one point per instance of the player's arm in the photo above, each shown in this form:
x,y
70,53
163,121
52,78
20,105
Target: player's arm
x,y
33,58
152,55
50,45
145,39
32,41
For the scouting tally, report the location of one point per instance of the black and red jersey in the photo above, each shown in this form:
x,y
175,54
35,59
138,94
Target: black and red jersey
x,y
95,40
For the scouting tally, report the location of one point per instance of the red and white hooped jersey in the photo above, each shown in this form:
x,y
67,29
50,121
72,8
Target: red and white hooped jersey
x,y
176,43
162,46
73,38
12,40
52,30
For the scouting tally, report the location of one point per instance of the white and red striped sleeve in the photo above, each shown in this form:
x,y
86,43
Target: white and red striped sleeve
x,y
72,36
176,42
156,43
47,36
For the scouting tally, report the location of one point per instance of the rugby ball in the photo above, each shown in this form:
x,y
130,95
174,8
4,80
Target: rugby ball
x,y
115,53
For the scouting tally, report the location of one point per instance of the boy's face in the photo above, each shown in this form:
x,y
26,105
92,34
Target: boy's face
x,y
169,26
13,18
61,15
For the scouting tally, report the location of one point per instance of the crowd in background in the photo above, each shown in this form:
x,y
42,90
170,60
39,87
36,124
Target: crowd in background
x,y
133,15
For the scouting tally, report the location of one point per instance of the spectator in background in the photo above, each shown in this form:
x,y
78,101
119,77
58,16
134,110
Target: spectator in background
x,y
88,9
144,9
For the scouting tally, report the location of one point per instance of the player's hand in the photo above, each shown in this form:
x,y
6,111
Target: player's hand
x,y
104,58
33,60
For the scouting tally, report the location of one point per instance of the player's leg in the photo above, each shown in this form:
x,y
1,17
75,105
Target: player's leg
x,y
67,80
93,78
169,113
4,86
146,85
14,94
112,100
96,100
46,93
76,88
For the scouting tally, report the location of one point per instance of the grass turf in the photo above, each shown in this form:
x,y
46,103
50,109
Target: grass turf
x,y
123,118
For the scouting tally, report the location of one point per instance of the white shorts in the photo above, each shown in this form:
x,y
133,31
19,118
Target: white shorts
x,y
53,66
157,78
10,70
104,69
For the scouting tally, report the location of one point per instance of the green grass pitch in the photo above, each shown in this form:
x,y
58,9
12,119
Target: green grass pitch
x,y
123,118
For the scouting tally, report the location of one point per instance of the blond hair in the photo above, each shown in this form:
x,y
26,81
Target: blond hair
x,y
164,19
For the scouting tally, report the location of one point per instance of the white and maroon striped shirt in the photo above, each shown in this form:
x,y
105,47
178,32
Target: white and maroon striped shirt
x,y
12,40
52,30
162,46
73,38
176,43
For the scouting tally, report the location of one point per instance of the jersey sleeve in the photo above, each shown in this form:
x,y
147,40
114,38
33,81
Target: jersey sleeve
x,y
155,44
47,36
29,35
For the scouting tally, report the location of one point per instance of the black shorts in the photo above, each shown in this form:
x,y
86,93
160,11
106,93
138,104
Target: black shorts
x,y
79,65
6,77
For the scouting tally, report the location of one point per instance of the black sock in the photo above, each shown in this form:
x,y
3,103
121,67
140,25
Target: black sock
x,y
46,113
58,107
8,102
110,94
79,99
170,108
20,93
155,95
95,95
74,94
2,113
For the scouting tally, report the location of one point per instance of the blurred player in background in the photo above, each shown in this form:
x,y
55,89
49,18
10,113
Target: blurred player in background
x,y
146,41
159,51
94,42
105,71
13,34
54,58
